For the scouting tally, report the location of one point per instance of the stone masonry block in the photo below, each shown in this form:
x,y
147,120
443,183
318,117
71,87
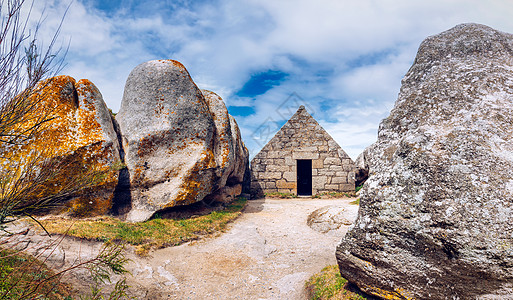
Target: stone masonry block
x,y
317,164
333,187
332,161
305,155
347,187
336,168
285,153
347,161
290,176
318,182
277,168
324,172
256,175
270,185
279,161
274,154
262,154
339,179
283,184
271,175
267,161
256,161
323,155
258,168
308,149
348,168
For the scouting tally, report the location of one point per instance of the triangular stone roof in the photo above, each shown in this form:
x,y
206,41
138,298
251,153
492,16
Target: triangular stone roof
x,y
302,132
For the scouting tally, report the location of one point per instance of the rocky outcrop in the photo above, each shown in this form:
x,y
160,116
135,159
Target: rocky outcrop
x,y
435,213
75,145
328,218
180,146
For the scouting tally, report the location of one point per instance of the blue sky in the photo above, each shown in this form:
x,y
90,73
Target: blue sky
x,y
343,60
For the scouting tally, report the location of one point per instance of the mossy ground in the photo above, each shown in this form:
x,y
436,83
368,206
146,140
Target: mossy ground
x,y
329,285
152,234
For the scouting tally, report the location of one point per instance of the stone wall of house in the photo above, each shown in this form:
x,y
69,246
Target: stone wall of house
x,y
274,168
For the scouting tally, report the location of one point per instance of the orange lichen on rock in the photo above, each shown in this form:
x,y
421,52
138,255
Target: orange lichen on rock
x,y
177,142
77,139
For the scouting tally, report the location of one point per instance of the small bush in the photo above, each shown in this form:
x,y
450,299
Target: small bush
x,y
24,277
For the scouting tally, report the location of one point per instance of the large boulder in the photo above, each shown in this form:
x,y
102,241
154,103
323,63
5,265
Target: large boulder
x,y
435,219
230,154
178,141
75,147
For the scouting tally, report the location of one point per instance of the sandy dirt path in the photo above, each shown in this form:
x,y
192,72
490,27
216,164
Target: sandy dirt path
x,y
267,253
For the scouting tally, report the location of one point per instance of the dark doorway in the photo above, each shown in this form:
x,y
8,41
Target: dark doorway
x,y
304,177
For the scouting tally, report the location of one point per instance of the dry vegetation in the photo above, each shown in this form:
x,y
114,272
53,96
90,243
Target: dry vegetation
x,y
33,278
155,233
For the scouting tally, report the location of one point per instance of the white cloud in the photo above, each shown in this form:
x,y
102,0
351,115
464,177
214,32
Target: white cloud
x,y
319,43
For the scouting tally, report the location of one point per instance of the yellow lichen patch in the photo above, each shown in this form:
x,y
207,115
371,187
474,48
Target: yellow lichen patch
x,y
397,294
193,184
70,143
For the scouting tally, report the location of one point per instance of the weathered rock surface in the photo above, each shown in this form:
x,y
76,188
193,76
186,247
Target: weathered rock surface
x,y
179,146
328,218
435,219
231,155
79,137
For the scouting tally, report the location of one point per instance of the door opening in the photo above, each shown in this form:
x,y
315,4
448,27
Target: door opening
x,y
304,177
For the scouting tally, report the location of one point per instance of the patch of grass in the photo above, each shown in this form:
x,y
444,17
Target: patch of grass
x,y
280,195
358,188
24,277
337,195
316,196
355,202
329,285
155,233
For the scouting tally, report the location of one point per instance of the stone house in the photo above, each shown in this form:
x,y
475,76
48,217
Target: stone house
x,y
302,159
